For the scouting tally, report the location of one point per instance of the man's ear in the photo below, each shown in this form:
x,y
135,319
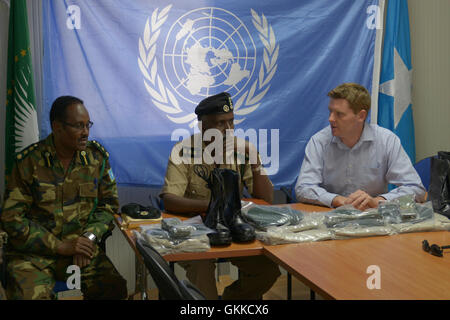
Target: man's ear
x,y
57,126
362,115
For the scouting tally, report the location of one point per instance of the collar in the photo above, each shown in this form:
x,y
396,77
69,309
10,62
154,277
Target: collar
x,y
368,134
49,153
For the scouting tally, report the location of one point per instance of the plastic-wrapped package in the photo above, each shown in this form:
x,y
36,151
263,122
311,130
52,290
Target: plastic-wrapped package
x,y
346,214
263,216
408,207
420,220
441,222
401,209
357,230
172,241
273,236
400,215
390,212
176,228
311,220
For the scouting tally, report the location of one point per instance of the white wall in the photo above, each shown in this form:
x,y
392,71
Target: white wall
x,y
430,55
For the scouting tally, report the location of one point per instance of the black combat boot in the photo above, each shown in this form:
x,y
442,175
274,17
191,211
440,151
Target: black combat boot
x,y
240,230
214,214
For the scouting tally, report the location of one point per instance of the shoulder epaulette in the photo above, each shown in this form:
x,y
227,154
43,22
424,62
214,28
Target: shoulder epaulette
x,y
25,152
100,148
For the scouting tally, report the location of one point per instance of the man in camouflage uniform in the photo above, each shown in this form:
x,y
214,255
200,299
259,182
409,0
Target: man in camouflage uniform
x,y
59,201
185,192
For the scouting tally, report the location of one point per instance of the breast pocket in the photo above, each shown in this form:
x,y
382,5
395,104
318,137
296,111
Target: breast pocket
x,y
88,190
198,190
371,172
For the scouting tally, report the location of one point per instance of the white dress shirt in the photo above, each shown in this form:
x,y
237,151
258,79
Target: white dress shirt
x,y
330,168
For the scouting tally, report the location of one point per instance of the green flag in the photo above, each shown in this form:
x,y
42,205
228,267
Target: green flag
x,y
21,123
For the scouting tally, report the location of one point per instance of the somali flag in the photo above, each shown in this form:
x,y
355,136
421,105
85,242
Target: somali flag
x,y
394,102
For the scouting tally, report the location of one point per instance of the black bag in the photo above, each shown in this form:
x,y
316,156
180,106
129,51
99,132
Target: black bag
x,y
439,191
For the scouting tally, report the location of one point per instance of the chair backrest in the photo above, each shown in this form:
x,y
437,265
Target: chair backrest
x,y
423,168
170,288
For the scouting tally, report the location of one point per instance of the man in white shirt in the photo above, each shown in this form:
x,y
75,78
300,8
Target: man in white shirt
x,y
351,161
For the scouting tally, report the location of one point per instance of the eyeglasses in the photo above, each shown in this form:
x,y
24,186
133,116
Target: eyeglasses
x,y
434,249
79,126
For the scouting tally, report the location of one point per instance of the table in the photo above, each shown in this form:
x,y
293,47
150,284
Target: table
x,y
337,269
253,248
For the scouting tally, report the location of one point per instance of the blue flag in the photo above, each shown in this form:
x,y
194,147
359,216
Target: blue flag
x,y
141,67
394,102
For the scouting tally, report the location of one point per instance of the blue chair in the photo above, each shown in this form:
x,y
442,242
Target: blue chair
x,y
423,168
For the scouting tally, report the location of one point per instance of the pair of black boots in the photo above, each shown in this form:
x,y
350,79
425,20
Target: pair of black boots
x,y
224,210
439,191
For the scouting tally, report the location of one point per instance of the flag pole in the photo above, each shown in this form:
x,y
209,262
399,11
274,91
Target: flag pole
x,y
377,65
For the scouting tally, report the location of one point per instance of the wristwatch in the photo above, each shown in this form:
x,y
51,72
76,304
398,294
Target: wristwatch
x,y
90,236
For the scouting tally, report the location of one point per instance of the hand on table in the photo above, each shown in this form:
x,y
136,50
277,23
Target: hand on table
x,y
339,201
361,200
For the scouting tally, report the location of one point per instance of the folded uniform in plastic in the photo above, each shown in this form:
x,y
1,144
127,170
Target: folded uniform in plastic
x,y
175,236
400,215
263,216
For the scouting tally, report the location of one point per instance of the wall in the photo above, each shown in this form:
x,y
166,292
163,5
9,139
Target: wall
x,y
430,52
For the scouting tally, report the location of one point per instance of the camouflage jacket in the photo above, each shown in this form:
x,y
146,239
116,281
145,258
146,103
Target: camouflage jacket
x,y
44,206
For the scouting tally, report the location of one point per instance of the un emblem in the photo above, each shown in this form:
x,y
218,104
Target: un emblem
x,y
206,51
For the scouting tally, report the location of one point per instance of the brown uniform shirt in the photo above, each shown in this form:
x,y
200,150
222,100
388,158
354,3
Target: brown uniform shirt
x,y
181,179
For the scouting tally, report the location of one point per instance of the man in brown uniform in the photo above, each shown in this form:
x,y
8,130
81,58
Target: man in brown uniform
x,y
185,192
59,201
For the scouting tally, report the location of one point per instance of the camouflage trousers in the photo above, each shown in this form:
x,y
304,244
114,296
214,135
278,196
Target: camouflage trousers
x,y
99,280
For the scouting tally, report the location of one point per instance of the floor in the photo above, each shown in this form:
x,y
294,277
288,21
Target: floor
x,y
277,292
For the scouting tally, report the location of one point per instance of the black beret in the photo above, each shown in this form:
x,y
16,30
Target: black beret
x,y
219,103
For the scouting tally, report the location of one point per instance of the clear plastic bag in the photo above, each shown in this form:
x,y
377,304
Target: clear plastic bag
x,y
263,216
347,214
400,215
357,231
176,228
274,236
180,236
